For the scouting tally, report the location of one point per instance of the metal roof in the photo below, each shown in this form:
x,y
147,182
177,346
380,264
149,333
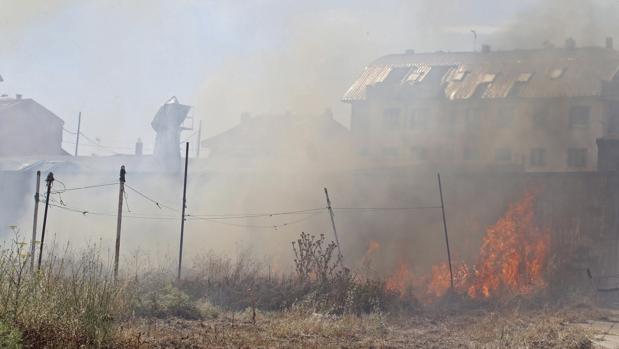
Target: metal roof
x,y
542,73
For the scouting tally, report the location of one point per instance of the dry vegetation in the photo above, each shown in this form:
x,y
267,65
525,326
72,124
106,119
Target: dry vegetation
x,y
232,303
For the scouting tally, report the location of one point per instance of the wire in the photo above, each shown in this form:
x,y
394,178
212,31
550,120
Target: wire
x,y
256,215
126,201
84,187
273,226
105,214
157,203
384,208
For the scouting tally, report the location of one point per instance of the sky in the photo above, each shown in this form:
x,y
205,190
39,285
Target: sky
x,y
118,61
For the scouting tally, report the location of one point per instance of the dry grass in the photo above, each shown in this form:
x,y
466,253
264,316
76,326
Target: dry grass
x,y
295,329
73,302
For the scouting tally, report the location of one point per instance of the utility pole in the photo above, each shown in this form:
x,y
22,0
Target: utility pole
x,y
337,241
199,140
50,181
34,221
180,252
440,190
79,125
121,193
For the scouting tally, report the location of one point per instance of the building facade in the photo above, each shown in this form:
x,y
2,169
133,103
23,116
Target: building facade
x,y
529,110
29,129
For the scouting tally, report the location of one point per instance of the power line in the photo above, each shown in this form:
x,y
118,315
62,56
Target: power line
x,y
272,226
385,208
157,203
256,215
82,188
105,214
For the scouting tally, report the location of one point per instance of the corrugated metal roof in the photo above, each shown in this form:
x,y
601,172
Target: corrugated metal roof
x,y
542,73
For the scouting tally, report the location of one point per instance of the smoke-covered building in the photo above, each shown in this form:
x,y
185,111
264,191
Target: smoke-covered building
x,y
532,110
28,129
282,141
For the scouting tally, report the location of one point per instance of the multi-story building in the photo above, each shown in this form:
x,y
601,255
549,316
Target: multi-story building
x,y
532,110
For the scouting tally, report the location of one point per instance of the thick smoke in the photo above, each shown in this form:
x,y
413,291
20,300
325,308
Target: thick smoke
x,y
284,57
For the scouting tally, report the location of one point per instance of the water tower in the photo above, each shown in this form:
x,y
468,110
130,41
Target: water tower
x,y
168,123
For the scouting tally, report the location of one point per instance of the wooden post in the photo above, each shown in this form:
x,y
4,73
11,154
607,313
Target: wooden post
x,y
440,190
50,181
34,221
340,257
79,127
180,252
121,193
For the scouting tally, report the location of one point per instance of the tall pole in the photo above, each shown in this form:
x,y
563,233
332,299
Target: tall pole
x,y
180,251
79,127
337,241
199,140
440,190
34,221
50,181
121,193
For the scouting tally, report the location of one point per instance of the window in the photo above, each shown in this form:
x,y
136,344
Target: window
x,y
538,157
419,153
472,119
579,116
503,154
459,75
396,75
577,157
481,89
418,119
505,119
391,119
390,152
470,153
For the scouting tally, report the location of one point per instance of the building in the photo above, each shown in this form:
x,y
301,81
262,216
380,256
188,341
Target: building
x,y
281,141
29,129
531,110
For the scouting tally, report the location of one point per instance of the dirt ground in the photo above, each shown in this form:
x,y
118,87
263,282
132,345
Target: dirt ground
x,y
513,328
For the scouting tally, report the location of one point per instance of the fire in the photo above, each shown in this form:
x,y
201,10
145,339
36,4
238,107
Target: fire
x,y
513,254
440,280
373,247
512,260
401,281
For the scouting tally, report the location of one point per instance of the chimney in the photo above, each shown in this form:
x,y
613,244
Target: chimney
x,y
139,147
609,43
18,96
570,43
485,48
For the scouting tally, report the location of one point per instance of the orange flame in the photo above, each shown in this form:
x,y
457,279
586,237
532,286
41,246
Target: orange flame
x,y
401,280
511,260
513,254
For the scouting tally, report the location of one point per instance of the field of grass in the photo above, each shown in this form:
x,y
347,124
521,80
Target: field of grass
x,y
74,302
290,329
